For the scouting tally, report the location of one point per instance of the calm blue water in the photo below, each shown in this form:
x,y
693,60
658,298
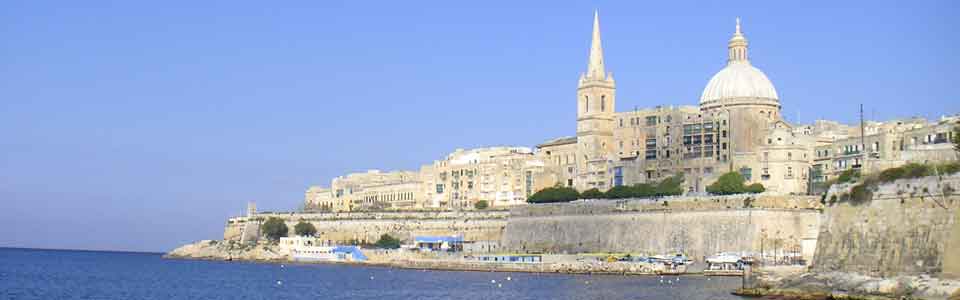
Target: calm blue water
x,y
55,274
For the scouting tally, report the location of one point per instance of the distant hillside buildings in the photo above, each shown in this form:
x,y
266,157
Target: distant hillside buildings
x,y
736,127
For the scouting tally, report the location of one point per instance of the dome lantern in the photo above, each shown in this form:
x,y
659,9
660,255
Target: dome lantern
x,y
739,82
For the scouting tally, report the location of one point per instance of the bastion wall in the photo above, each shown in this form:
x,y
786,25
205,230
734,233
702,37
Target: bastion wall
x,y
909,227
695,226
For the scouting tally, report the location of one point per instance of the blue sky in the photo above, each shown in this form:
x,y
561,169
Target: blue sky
x,y
127,125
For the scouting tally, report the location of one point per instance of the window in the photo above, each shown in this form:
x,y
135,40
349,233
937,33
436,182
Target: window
x,y
439,188
617,176
621,122
529,182
746,172
789,172
586,107
723,133
569,182
651,120
603,103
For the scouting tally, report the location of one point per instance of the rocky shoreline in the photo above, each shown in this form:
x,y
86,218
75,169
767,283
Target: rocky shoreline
x,y
797,283
235,251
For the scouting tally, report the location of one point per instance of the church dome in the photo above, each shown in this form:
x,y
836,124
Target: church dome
x,y
739,81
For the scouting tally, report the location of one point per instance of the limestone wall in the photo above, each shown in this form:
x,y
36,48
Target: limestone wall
x,y
339,228
695,226
906,229
951,263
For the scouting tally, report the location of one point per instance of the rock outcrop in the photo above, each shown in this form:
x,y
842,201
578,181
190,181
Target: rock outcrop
x,y
227,250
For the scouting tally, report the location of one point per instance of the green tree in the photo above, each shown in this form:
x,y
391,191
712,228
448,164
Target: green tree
x,y
274,228
671,186
728,183
644,190
387,242
482,204
554,194
733,183
304,229
755,188
593,193
620,192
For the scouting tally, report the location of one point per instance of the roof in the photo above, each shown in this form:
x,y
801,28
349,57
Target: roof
x,y
438,239
352,250
559,141
736,81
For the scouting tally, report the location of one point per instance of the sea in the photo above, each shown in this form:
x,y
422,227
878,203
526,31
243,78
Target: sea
x,y
70,274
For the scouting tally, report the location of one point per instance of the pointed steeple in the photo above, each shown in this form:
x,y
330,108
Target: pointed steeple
x,y
737,47
595,68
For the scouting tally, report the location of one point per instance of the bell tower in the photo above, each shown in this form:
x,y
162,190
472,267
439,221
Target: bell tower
x,y
596,102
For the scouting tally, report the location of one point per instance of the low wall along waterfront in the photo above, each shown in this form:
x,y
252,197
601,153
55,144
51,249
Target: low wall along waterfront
x,y
340,228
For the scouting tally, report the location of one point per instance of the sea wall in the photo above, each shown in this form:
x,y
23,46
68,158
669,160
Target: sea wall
x,y
909,227
696,226
339,228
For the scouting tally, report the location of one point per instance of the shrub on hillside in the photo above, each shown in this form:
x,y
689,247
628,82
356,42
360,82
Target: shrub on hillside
x,y
274,228
949,168
848,176
304,229
956,139
554,194
915,170
860,193
891,174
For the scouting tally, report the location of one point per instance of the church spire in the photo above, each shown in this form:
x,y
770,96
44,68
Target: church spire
x,y
737,47
595,69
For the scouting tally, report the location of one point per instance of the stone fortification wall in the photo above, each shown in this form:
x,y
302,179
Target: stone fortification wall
x,y
339,228
696,226
907,228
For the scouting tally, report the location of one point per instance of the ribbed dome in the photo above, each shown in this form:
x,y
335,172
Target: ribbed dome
x,y
738,80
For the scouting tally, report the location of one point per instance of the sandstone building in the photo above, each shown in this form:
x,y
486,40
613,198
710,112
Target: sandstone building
x,y
736,126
